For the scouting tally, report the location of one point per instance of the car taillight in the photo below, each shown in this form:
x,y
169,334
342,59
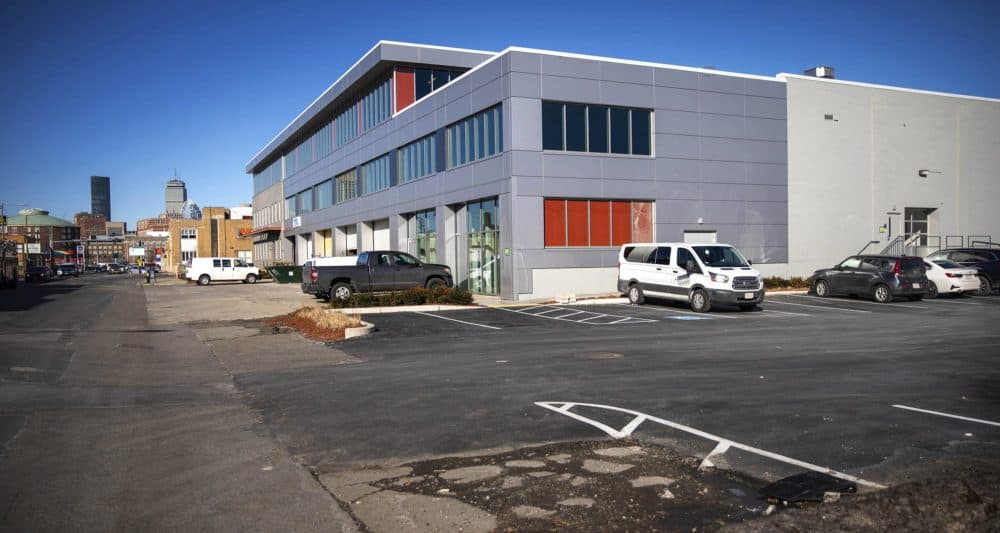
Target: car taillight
x,y
313,274
950,275
898,267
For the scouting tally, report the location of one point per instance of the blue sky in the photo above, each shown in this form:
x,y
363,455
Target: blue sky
x,y
133,90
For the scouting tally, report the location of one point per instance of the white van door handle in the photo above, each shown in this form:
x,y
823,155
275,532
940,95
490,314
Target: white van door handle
x,y
658,268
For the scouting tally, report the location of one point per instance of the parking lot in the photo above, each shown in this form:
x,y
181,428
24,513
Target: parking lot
x,y
883,392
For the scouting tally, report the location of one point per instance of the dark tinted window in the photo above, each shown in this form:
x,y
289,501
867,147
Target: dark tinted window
x,y
683,256
441,78
619,130
598,128
423,82
552,126
969,257
576,127
405,260
638,254
363,258
640,132
661,256
944,263
910,265
216,263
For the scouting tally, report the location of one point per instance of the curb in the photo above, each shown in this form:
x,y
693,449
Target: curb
x,y
402,309
364,329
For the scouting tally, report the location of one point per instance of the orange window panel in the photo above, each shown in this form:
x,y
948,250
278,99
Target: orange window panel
x,y
577,223
642,221
555,222
600,223
621,222
405,88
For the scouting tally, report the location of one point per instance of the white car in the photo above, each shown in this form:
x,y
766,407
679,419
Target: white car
x,y
701,274
949,277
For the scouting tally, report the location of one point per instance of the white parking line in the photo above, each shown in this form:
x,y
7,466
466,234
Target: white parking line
x,y
722,444
590,318
672,310
940,301
571,314
456,320
784,312
862,302
620,318
939,413
769,302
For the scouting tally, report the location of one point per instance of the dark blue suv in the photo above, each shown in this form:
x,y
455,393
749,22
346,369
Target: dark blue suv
x,y
986,260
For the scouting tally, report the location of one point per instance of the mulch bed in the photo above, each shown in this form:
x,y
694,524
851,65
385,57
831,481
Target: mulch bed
x,y
306,327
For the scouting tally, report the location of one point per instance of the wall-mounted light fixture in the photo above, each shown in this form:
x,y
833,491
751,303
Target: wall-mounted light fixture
x,y
924,172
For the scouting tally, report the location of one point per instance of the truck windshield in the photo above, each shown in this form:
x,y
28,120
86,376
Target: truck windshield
x,y
720,256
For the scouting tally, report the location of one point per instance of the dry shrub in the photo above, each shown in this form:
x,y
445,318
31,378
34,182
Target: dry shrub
x,y
317,323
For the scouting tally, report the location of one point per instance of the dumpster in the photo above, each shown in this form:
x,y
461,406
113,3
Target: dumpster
x,y
286,273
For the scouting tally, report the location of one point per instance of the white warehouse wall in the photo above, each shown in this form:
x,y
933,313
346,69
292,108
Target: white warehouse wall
x,y
845,174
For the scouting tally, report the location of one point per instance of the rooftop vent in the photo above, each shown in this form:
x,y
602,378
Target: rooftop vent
x,y
820,72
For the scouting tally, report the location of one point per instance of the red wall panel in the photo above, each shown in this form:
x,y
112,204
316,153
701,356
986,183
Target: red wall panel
x,y
600,223
642,221
577,223
555,222
405,87
621,222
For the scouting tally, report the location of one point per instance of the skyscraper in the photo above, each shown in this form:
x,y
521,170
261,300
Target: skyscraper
x,y
176,195
100,196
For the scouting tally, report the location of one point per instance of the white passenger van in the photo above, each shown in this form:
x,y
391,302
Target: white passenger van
x,y
205,270
701,274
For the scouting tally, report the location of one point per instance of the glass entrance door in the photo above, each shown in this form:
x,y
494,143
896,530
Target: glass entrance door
x,y
483,244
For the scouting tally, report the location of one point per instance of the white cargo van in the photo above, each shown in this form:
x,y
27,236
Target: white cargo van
x,y
205,270
701,274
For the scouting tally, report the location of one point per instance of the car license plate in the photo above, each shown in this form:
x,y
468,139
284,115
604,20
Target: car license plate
x,y
748,296
916,285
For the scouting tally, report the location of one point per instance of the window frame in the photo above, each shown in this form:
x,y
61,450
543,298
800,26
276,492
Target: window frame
x,y
609,138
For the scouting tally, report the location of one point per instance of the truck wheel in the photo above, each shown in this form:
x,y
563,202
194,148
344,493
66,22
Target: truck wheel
x,y
251,278
204,280
434,283
635,296
700,302
341,291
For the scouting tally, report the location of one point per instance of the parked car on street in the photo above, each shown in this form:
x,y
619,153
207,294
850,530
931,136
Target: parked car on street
x,y
375,271
701,274
115,269
986,260
880,277
205,270
69,269
40,274
948,277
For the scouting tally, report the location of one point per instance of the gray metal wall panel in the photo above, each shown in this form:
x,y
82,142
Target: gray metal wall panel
x,y
627,168
574,187
485,74
570,166
525,62
723,171
766,107
678,211
764,88
530,186
677,146
731,126
488,170
767,193
626,94
766,129
723,191
458,109
723,211
767,152
767,174
718,149
524,163
486,95
677,190
525,85
721,84
528,111
721,103
571,66
529,211
676,99
680,79
570,89
766,213
630,189
675,169
677,122
626,73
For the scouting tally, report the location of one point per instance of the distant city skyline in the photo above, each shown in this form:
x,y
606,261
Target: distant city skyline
x,y
135,90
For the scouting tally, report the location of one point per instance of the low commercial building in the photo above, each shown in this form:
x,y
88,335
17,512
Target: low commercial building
x,y
42,239
103,250
215,234
525,170
91,225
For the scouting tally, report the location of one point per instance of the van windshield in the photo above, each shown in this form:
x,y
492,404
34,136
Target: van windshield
x,y
720,256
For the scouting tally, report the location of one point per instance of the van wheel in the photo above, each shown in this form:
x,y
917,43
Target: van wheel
x,y
635,296
700,302
251,278
881,294
204,280
341,291
434,283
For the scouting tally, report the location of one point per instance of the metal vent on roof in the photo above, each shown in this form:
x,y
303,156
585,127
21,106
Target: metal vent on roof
x,y
820,72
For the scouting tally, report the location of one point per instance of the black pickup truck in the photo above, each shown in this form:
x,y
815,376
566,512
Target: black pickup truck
x,y
374,271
